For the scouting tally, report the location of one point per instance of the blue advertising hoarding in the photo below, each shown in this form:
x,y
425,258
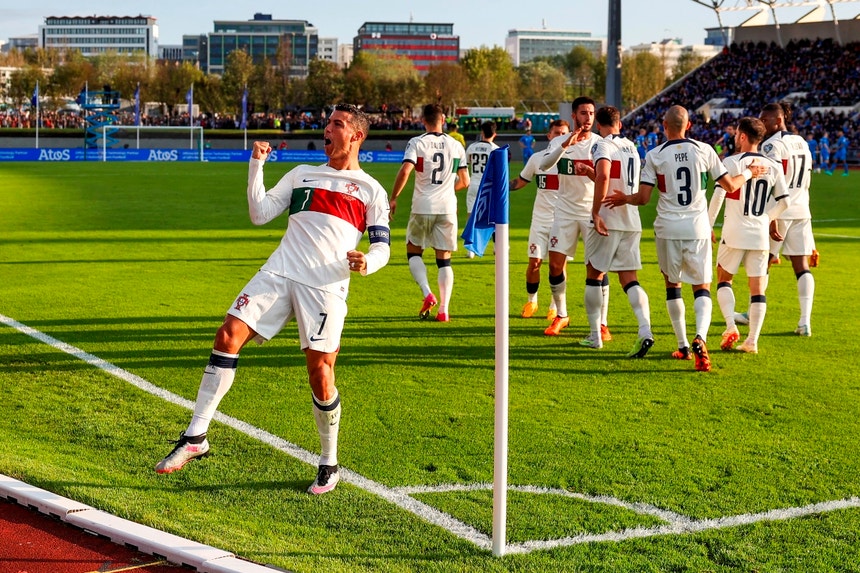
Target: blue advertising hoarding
x,y
220,155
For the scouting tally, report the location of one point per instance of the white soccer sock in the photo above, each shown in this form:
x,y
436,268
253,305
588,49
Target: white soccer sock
x,y
327,416
419,273
533,297
559,297
757,312
726,300
593,304
604,306
805,294
217,379
677,316
641,309
446,285
703,307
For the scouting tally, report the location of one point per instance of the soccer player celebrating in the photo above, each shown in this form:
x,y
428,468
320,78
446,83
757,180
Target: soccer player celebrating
x,y
573,209
306,278
477,154
746,224
543,214
613,243
679,169
440,167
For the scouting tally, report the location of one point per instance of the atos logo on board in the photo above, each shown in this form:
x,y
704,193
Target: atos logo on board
x,y
365,157
54,155
163,155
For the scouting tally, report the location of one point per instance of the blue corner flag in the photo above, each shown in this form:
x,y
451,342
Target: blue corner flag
x,y
34,101
137,105
491,206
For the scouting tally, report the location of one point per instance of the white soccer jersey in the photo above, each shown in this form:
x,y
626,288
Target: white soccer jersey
x,y
624,168
436,157
792,153
546,197
680,169
329,210
575,192
748,213
478,154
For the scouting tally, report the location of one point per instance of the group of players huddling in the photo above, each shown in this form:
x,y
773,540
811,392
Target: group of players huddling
x,y
593,184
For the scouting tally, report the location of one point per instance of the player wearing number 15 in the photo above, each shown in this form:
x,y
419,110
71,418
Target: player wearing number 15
x,y
680,169
440,167
307,278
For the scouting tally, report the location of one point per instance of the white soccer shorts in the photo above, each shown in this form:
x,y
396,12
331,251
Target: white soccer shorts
x,y
754,261
688,261
433,231
619,251
797,238
565,234
268,302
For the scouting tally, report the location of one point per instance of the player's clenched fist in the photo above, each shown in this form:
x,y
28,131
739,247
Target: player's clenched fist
x,y
261,150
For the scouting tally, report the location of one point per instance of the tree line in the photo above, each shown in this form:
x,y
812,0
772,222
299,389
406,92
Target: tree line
x,y
380,80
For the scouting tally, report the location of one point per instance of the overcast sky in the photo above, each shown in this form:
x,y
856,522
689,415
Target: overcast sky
x,y
477,23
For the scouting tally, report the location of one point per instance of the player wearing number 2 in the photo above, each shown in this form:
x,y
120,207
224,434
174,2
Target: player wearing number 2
x,y
440,167
750,216
306,278
680,169
478,153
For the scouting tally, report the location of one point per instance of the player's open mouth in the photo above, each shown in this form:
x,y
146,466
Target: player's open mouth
x,y
327,141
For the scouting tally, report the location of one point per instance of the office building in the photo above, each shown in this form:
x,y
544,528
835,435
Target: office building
x,y
425,44
95,35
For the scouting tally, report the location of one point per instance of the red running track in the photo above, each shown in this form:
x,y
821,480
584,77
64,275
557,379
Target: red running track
x,y
31,542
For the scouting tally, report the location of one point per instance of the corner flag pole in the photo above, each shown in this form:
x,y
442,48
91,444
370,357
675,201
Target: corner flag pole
x,y
500,448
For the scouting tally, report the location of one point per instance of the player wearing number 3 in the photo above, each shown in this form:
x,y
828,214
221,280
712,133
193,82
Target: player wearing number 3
x,y
679,169
439,163
307,278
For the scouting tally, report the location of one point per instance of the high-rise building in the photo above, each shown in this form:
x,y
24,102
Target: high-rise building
x,y
424,44
261,38
526,45
95,35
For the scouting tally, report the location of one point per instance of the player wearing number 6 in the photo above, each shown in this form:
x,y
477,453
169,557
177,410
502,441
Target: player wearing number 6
x,y
439,163
750,216
680,169
307,278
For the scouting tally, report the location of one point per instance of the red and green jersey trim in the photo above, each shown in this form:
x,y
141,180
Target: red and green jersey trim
x,y
341,205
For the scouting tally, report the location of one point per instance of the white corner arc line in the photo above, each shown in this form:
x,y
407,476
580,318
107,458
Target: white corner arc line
x,y
401,496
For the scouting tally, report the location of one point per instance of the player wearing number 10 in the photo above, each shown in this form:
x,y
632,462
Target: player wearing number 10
x,y
679,169
439,163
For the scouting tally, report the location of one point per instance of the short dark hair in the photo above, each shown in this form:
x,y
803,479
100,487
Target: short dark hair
x,y
753,128
607,116
488,128
358,119
559,123
581,100
432,113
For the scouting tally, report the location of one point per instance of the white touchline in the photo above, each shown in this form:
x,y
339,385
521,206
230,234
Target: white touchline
x,y
402,496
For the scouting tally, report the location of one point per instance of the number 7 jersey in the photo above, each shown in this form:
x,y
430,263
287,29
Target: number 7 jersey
x,y
680,169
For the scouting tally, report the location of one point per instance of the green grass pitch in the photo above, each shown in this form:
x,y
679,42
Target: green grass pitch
x,y
136,264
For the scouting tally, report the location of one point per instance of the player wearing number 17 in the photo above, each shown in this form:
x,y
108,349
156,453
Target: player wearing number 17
x,y
307,278
680,169
439,163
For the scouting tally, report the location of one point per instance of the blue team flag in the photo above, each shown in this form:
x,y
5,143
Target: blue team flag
x,y
189,98
244,123
82,97
137,105
34,101
491,206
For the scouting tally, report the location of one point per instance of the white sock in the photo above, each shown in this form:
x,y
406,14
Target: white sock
x,y
703,307
419,273
677,316
593,304
217,379
641,309
446,285
559,297
726,300
327,416
805,294
757,312
604,307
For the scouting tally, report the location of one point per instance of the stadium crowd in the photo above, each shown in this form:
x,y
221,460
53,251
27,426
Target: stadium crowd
x,y
809,73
